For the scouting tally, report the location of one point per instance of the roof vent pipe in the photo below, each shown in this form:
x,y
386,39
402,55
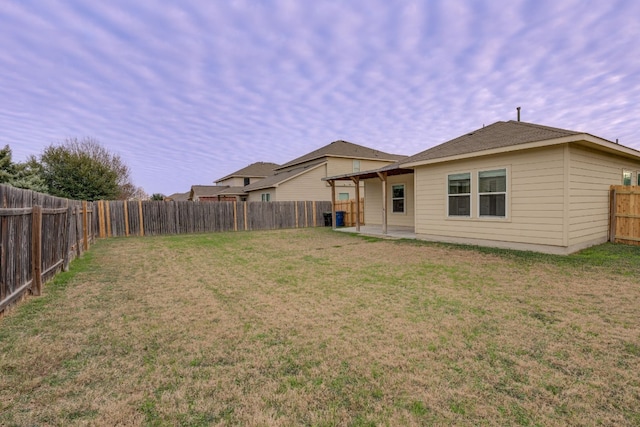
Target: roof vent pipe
x,y
518,108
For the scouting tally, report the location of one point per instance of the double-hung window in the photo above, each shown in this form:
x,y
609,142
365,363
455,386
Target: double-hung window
x,y
459,194
492,193
397,198
627,177
266,197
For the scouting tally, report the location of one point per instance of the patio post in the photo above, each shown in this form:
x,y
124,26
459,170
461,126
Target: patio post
x,y
356,181
383,178
333,203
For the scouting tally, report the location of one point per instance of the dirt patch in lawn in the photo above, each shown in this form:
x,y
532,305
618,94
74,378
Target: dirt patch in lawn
x,y
313,327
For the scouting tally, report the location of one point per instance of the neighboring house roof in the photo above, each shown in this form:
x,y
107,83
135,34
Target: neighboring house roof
x,y
206,190
343,149
495,136
178,197
281,177
254,170
232,191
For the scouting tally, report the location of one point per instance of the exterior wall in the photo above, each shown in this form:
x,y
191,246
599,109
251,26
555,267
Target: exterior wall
x,y
340,166
237,181
256,196
591,173
373,201
535,203
309,186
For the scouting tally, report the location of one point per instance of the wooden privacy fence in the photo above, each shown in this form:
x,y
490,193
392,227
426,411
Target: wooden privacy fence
x,y
138,218
349,208
39,236
624,214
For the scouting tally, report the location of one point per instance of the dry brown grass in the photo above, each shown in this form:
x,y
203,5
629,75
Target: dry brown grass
x,y
312,327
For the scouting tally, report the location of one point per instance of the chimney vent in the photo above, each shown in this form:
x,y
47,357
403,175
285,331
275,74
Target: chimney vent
x,y
518,108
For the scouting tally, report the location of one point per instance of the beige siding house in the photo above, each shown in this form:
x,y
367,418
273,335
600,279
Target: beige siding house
x,y
301,178
248,175
511,184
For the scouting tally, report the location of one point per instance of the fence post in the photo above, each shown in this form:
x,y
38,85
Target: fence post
x,y
176,208
67,249
141,222
235,215
126,218
612,215
246,220
85,226
108,217
36,249
306,215
103,228
313,204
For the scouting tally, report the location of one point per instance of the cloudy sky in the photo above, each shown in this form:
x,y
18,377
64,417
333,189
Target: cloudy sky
x,y
189,91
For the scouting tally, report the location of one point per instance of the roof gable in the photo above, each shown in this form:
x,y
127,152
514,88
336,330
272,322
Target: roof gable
x,y
495,136
280,177
254,170
343,149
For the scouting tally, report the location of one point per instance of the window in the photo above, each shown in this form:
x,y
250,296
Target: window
x,y
626,177
356,165
459,194
638,176
492,192
247,181
397,198
266,197
343,196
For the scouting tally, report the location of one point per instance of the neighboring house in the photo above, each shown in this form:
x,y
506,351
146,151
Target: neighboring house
x,y
177,197
301,178
207,193
511,184
248,175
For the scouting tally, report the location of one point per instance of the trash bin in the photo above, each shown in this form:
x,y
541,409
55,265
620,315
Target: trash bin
x,y
340,218
327,219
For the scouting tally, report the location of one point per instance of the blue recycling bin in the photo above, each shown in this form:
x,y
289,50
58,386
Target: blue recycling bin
x,y
340,218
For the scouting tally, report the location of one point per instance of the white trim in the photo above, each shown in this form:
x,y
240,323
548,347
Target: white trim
x,y
404,198
583,138
505,192
447,195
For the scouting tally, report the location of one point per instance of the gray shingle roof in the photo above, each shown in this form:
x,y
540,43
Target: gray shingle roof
x,y
278,177
496,135
179,197
254,170
207,190
343,149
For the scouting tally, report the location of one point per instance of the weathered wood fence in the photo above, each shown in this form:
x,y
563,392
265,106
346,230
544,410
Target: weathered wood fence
x,y
138,218
39,236
624,220
349,208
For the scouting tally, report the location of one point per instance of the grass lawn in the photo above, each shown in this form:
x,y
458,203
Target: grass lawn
x,y
319,328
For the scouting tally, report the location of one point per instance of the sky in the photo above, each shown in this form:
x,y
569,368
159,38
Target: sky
x,y
186,92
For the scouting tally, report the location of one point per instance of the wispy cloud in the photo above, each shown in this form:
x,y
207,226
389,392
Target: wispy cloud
x,y
191,91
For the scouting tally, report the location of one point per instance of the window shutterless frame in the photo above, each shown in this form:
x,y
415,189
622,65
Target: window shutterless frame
x,y
492,193
398,198
627,177
459,195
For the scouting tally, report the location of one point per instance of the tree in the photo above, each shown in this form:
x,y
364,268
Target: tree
x,y
26,175
29,175
157,197
7,171
85,170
